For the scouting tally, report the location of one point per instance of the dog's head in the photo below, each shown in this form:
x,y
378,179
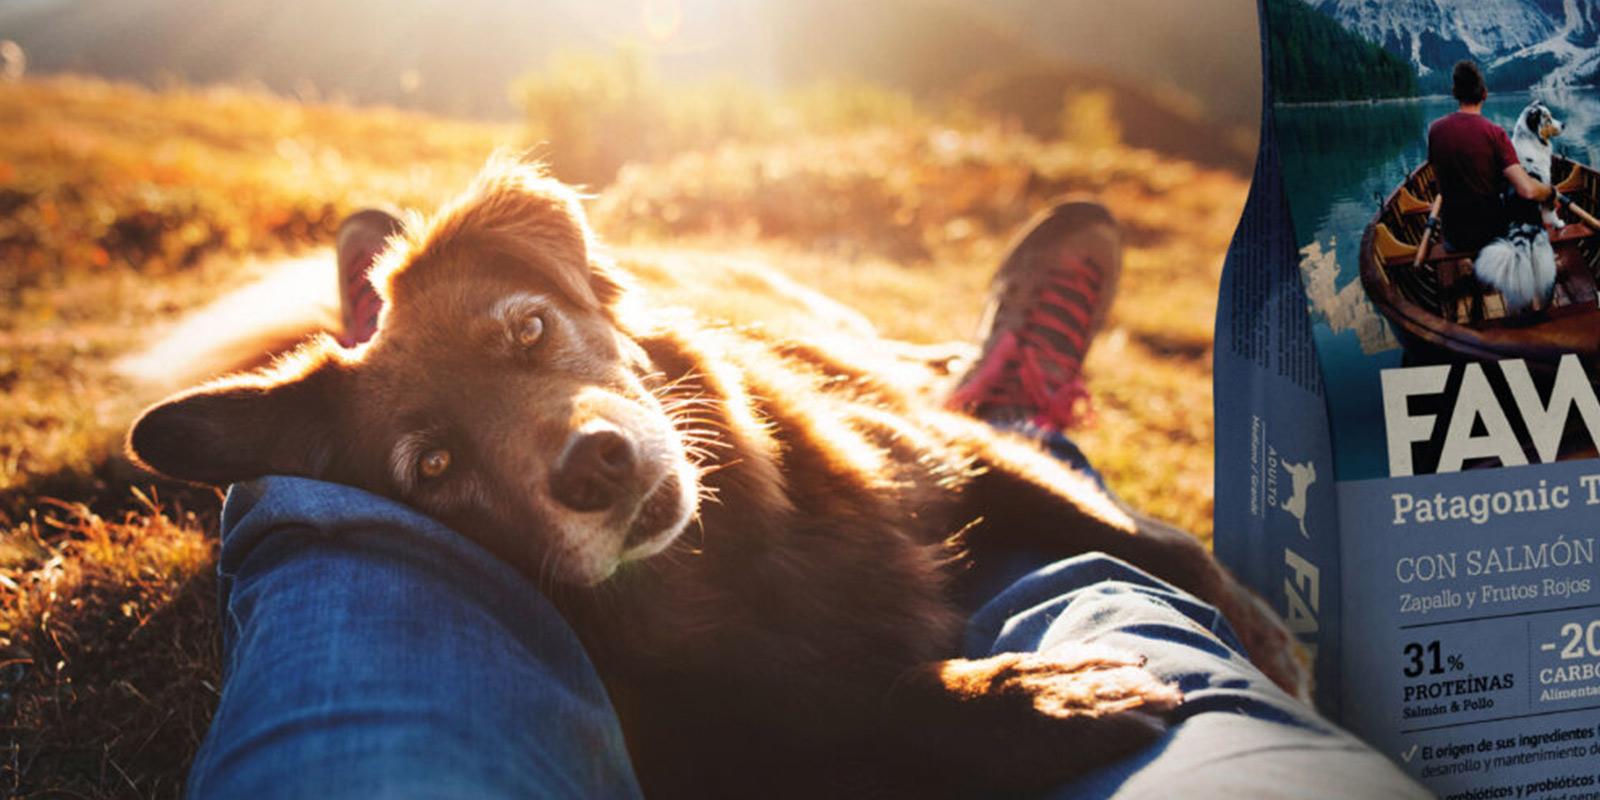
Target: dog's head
x,y
1537,120
500,394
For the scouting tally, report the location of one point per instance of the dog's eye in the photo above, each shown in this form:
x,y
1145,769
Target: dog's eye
x,y
435,463
530,330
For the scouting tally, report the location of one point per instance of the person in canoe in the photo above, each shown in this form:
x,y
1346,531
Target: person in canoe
x,y
1476,166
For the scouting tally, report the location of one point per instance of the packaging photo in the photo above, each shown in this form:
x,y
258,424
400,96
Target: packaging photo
x,y
1407,347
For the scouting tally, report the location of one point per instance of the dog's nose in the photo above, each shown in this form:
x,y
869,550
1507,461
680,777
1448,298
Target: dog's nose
x,y
594,471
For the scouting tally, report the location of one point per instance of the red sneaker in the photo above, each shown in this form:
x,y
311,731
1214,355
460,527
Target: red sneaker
x,y
1046,303
362,237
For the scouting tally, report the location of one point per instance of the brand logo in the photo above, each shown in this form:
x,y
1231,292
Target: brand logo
x,y
1443,418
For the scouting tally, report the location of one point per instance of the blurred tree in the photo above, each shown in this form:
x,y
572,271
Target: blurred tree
x,y
1089,118
591,113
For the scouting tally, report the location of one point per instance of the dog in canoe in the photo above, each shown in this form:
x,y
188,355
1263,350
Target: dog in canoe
x,y
1522,264
748,533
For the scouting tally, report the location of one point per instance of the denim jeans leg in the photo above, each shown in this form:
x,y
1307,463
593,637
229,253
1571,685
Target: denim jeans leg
x,y
1235,736
369,652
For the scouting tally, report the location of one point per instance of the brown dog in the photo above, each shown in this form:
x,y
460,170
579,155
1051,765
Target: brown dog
x,y
756,540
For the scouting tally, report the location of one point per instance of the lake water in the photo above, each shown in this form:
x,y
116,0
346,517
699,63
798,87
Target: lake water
x,y
1339,162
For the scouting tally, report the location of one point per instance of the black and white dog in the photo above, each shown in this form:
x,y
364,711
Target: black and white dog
x,y
1522,264
1531,137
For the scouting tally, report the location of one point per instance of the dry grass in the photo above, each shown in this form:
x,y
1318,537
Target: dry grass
x,y
100,176
109,665
120,209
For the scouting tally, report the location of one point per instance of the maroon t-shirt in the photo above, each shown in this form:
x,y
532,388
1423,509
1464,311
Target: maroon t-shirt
x,y
1469,156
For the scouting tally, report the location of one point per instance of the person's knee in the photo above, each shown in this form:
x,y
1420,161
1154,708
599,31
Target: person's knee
x,y
1137,608
1093,595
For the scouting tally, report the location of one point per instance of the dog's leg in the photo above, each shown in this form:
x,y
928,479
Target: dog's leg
x,y
1023,722
1548,214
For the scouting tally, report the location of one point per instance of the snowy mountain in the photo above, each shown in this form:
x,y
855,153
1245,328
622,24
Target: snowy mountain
x,y
1521,43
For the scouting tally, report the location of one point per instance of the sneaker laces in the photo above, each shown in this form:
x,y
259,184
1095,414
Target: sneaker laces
x,y
1038,366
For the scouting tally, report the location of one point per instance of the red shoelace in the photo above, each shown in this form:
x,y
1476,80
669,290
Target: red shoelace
x,y
1038,366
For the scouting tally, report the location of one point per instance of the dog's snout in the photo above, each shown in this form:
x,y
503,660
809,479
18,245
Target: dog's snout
x,y
611,452
595,471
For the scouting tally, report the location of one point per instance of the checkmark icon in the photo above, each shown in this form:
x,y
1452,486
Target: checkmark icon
x,y
1407,755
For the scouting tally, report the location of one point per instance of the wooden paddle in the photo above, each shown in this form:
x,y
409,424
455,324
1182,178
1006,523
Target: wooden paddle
x,y
1427,232
1577,211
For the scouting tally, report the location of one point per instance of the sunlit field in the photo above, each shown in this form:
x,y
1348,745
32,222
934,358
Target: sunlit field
x,y
122,210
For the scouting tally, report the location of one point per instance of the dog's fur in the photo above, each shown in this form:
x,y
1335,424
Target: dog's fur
x,y
757,541
1522,264
1530,137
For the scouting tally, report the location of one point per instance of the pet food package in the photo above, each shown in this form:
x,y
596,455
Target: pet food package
x,y
1408,392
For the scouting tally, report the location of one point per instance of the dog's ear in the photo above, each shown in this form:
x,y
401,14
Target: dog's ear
x,y
514,219
280,422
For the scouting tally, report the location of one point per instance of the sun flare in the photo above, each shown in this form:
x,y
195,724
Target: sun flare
x,y
661,19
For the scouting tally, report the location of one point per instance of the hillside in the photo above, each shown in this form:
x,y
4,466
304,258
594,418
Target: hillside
x,y
1209,52
125,209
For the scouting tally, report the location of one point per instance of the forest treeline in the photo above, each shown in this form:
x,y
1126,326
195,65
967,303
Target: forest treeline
x,y
1314,59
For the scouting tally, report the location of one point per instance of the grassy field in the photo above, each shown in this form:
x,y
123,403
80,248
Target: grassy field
x,y
121,209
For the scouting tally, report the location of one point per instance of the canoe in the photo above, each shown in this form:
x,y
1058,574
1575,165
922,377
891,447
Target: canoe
x,y
1442,313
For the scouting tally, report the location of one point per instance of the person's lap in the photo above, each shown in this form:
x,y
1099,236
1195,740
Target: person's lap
x,y
1235,735
371,652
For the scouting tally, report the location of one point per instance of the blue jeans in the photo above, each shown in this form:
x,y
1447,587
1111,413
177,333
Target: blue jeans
x,y
370,652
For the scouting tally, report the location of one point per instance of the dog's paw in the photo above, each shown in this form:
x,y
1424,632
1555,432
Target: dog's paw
x,y
1083,682
1021,722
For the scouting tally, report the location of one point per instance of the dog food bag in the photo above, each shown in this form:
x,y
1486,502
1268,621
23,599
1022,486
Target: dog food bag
x,y
1408,391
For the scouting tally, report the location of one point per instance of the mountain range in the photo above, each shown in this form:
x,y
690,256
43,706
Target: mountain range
x,y
1540,44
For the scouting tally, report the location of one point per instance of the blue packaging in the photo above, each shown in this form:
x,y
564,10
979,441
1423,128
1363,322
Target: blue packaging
x,y
1405,454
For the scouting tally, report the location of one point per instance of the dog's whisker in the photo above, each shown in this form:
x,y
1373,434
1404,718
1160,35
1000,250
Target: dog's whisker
x,y
676,384
669,400
710,423
699,521
697,412
697,398
666,390
710,468
693,408
700,396
704,442
698,455
701,453
700,435
700,431
702,414
692,418
544,576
